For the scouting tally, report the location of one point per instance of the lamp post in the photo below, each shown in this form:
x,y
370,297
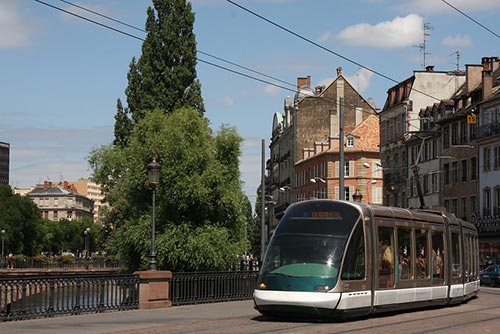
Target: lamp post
x,y
154,178
368,189
86,233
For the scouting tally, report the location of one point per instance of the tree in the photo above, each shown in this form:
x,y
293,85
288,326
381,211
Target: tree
x,y
164,77
201,210
19,218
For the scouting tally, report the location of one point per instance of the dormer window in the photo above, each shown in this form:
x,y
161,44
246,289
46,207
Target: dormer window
x,y
350,141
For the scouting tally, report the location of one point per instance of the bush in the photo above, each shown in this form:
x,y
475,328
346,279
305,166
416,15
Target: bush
x,y
65,259
42,259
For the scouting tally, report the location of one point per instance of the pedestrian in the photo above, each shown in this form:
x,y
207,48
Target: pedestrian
x,y
10,261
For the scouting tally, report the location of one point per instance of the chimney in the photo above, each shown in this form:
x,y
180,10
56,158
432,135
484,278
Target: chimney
x,y
45,184
429,68
487,79
65,185
472,76
301,82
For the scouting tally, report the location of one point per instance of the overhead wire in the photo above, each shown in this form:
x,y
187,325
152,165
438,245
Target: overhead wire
x,y
325,48
201,52
198,51
472,19
197,58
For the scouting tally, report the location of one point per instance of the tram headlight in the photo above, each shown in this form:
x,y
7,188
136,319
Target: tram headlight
x,y
321,288
262,286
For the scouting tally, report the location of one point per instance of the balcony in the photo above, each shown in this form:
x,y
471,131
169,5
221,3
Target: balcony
x,y
488,130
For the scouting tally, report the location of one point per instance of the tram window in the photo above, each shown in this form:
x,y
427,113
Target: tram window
x,y
386,257
354,262
438,258
405,254
456,273
422,254
467,257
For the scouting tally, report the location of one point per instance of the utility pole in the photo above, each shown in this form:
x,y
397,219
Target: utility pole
x,y
341,149
263,203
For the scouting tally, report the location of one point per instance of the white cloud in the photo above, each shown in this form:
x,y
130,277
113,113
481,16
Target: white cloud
x,y
457,41
228,101
325,37
360,80
400,32
15,31
435,7
272,90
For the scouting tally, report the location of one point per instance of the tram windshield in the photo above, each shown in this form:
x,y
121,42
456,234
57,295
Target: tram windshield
x,y
306,250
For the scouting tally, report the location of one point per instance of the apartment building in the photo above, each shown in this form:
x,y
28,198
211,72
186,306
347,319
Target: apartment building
x,y
87,187
304,147
58,201
4,162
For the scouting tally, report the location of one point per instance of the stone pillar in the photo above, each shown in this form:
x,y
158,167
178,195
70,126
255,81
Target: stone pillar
x,y
154,289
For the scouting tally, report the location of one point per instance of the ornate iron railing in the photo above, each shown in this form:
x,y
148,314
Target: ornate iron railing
x,y
45,296
206,287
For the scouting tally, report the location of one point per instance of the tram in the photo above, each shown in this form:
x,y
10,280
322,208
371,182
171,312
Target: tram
x,y
340,259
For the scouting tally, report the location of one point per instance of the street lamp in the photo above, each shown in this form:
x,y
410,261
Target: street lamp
x,y
154,178
357,197
87,233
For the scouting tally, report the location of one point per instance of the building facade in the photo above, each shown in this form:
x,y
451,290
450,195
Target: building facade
x,y
400,125
4,162
58,201
87,187
304,147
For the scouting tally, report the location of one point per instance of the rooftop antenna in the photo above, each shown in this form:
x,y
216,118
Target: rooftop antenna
x,y
457,56
423,46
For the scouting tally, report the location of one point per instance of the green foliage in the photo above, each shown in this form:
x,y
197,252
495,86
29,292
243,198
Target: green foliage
x,y
201,211
19,217
198,188
42,259
164,76
65,259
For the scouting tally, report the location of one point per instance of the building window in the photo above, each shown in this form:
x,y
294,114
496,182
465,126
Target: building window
x,y
486,202
463,133
486,159
454,134
347,193
446,168
56,215
463,201
46,215
350,141
473,168
464,170
454,172
496,157
69,215
435,183
473,204
347,171
446,136
425,181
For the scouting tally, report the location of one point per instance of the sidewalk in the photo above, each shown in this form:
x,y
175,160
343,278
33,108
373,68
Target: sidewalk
x,y
130,321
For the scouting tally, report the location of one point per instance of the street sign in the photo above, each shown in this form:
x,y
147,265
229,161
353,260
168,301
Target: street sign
x,y
471,119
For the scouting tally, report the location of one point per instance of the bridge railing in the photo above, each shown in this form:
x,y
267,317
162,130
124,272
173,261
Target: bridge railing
x,y
58,293
206,287
66,294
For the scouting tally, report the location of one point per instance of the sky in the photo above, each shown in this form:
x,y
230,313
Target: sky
x,y
60,75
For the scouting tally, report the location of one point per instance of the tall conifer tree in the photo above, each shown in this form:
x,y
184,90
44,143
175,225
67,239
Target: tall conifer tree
x,y
164,76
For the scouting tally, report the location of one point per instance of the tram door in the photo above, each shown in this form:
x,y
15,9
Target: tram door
x,y
385,257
